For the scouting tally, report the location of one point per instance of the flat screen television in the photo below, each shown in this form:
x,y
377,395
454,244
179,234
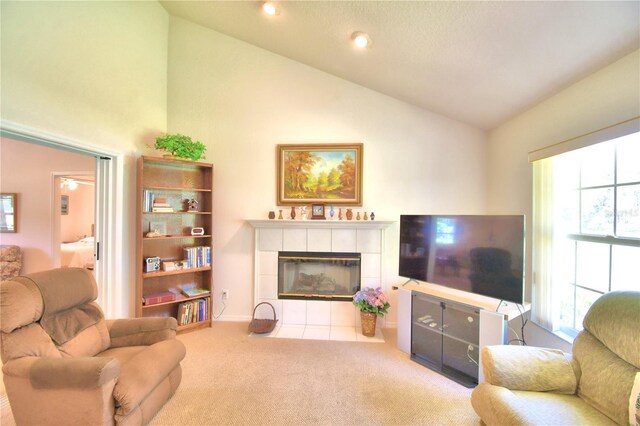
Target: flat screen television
x,y
478,254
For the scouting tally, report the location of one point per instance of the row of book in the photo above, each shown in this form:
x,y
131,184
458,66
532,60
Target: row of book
x,y
197,257
153,204
193,311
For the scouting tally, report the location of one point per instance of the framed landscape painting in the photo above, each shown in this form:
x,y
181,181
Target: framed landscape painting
x,y
320,173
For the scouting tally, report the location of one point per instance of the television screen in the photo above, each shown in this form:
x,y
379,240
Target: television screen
x,y
478,254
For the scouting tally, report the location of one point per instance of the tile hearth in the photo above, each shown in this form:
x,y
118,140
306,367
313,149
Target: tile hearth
x,y
321,332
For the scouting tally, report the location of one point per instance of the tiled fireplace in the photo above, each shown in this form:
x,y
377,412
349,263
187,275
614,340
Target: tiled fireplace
x,y
333,239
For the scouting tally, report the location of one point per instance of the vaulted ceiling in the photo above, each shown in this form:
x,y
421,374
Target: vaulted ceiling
x,y
477,62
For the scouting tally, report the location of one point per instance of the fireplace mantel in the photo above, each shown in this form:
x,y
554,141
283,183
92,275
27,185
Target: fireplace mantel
x,y
327,224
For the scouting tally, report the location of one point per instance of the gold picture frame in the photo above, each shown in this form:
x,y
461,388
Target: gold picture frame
x,y
9,212
319,173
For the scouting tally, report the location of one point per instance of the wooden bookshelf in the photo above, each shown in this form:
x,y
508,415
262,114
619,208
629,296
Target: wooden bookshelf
x,y
176,182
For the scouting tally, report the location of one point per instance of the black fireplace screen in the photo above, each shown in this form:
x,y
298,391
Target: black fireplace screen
x,y
318,275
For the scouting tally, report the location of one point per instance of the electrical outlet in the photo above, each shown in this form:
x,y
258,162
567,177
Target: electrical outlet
x,y
225,294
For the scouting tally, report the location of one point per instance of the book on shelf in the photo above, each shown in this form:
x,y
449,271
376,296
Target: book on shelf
x,y
147,200
190,290
161,205
154,299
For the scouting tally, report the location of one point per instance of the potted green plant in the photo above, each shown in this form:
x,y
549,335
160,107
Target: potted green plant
x,y
180,146
371,303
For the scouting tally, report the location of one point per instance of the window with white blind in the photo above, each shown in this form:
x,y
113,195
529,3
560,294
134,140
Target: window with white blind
x,y
586,229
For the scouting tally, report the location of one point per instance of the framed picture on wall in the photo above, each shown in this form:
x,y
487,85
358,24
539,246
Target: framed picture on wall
x,y
8,212
319,173
64,204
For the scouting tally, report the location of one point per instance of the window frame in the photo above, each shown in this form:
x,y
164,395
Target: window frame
x,y
545,309
609,240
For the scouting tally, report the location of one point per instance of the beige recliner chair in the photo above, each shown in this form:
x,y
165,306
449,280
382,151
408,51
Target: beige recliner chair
x,y
599,385
65,364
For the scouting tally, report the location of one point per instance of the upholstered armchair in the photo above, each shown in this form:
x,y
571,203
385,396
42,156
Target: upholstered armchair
x,y
598,384
65,364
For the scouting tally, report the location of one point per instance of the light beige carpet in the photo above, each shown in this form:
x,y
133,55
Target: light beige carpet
x,y
230,378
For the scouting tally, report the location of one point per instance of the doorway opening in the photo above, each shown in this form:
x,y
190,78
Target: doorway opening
x,y
44,181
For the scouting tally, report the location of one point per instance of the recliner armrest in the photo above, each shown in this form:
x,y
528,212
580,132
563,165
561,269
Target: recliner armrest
x,y
141,331
529,368
64,373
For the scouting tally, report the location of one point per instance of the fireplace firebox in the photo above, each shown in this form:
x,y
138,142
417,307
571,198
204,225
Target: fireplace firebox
x,y
318,275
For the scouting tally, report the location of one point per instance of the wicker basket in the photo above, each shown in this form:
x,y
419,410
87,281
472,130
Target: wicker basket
x,y
262,326
368,320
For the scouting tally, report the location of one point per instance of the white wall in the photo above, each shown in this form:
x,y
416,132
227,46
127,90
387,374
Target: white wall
x,y
606,97
36,203
241,101
94,72
89,70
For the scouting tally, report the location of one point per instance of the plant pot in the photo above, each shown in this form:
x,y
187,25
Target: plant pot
x,y
368,320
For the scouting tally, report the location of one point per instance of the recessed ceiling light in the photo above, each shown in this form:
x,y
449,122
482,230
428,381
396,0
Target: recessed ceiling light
x,y
360,40
270,8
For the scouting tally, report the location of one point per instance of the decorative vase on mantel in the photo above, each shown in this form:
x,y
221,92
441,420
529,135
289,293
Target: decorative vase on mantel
x,y
368,320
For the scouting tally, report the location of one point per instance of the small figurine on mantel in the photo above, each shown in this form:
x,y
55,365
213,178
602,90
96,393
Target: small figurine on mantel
x,y
303,212
192,205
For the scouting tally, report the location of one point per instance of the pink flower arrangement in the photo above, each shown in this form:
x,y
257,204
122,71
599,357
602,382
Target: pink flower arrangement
x,y
372,300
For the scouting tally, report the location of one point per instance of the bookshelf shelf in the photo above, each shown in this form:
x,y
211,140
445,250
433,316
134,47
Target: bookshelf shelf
x,y
169,182
176,272
174,237
179,299
175,188
194,326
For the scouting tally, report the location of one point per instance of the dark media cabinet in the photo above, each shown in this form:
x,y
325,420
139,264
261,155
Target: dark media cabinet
x,y
445,337
445,329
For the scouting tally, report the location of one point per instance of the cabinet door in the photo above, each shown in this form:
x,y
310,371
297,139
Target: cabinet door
x,y
426,329
460,339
